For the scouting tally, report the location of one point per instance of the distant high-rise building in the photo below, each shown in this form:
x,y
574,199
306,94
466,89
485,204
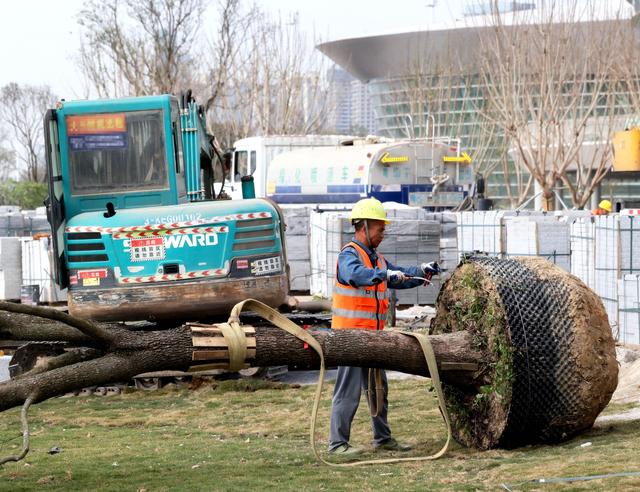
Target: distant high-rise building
x,y
362,117
339,114
351,109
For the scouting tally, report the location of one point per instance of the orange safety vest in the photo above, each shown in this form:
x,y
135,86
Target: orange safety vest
x,y
600,211
363,308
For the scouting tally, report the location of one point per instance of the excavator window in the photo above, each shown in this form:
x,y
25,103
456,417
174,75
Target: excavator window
x,y
117,152
245,163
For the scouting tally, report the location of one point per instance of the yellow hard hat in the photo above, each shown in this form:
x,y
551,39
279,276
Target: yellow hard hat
x,y
368,208
606,205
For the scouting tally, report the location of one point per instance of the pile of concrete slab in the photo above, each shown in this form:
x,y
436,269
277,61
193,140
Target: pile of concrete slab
x,y
506,234
616,266
10,268
412,237
582,245
15,222
296,220
38,285
26,271
603,251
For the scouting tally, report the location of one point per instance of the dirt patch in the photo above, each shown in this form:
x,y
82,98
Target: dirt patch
x,y
628,390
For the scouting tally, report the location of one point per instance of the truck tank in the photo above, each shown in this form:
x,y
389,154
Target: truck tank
x,y
411,172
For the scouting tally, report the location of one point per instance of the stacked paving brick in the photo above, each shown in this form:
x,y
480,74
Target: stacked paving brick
x,y
10,268
410,239
617,254
37,271
583,247
629,309
14,222
539,235
297,244
506,234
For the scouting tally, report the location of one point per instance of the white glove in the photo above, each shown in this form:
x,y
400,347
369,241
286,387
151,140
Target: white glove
x,y
395,276
430,269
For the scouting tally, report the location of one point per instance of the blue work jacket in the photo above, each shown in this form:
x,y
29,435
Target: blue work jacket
x,y
352,271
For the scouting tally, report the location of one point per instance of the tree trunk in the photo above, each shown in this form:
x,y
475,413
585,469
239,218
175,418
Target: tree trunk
x,y
139,352
23,327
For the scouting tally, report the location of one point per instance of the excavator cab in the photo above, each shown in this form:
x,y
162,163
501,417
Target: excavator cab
x,y
133,232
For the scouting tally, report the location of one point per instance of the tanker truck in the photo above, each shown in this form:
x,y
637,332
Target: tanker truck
x,y
252,156
420,172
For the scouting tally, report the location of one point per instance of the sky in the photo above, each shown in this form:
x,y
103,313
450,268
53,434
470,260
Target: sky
x,y
40,38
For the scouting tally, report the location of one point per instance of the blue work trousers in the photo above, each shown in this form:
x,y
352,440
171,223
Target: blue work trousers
x,y
346,398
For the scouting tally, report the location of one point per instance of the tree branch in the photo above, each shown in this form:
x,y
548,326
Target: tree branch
x,y
86,327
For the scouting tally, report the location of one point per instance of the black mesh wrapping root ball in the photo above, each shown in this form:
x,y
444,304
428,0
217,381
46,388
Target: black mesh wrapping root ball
x,y
549,365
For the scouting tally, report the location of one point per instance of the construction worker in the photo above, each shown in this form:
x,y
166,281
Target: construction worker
x,y
604,208
360,302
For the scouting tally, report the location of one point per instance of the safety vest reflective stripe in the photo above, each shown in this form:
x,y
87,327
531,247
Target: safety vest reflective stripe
x,y
363,307
352,303
353,291
346,313
365,294
341,323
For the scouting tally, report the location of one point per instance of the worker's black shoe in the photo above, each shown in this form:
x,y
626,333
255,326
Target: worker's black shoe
x,y
346,450
392,445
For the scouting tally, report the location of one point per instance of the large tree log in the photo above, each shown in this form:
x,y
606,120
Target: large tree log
x,y
138,352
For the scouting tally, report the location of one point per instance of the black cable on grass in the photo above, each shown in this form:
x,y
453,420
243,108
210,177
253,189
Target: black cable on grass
x,y
584,478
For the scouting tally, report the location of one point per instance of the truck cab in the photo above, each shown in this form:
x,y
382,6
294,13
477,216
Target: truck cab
x,y
133,236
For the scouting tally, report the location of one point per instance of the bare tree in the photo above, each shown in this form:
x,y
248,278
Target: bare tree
x,y
442,100
265,78
7,158
258,75
549,80
139,47
22,108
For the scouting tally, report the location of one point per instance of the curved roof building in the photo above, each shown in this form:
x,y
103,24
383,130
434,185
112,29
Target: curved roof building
x,y
434,82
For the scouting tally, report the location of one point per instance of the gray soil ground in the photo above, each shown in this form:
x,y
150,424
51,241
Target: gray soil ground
x,y
628,390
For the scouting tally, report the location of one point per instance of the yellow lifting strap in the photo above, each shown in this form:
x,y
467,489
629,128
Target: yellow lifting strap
x,y
375,392
289,326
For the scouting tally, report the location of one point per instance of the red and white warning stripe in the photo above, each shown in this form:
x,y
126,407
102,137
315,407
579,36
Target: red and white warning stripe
x,y
170,232
630,211
217,272
167,226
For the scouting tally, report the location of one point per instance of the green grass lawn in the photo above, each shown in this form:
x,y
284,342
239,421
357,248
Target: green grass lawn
x,y
244,436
